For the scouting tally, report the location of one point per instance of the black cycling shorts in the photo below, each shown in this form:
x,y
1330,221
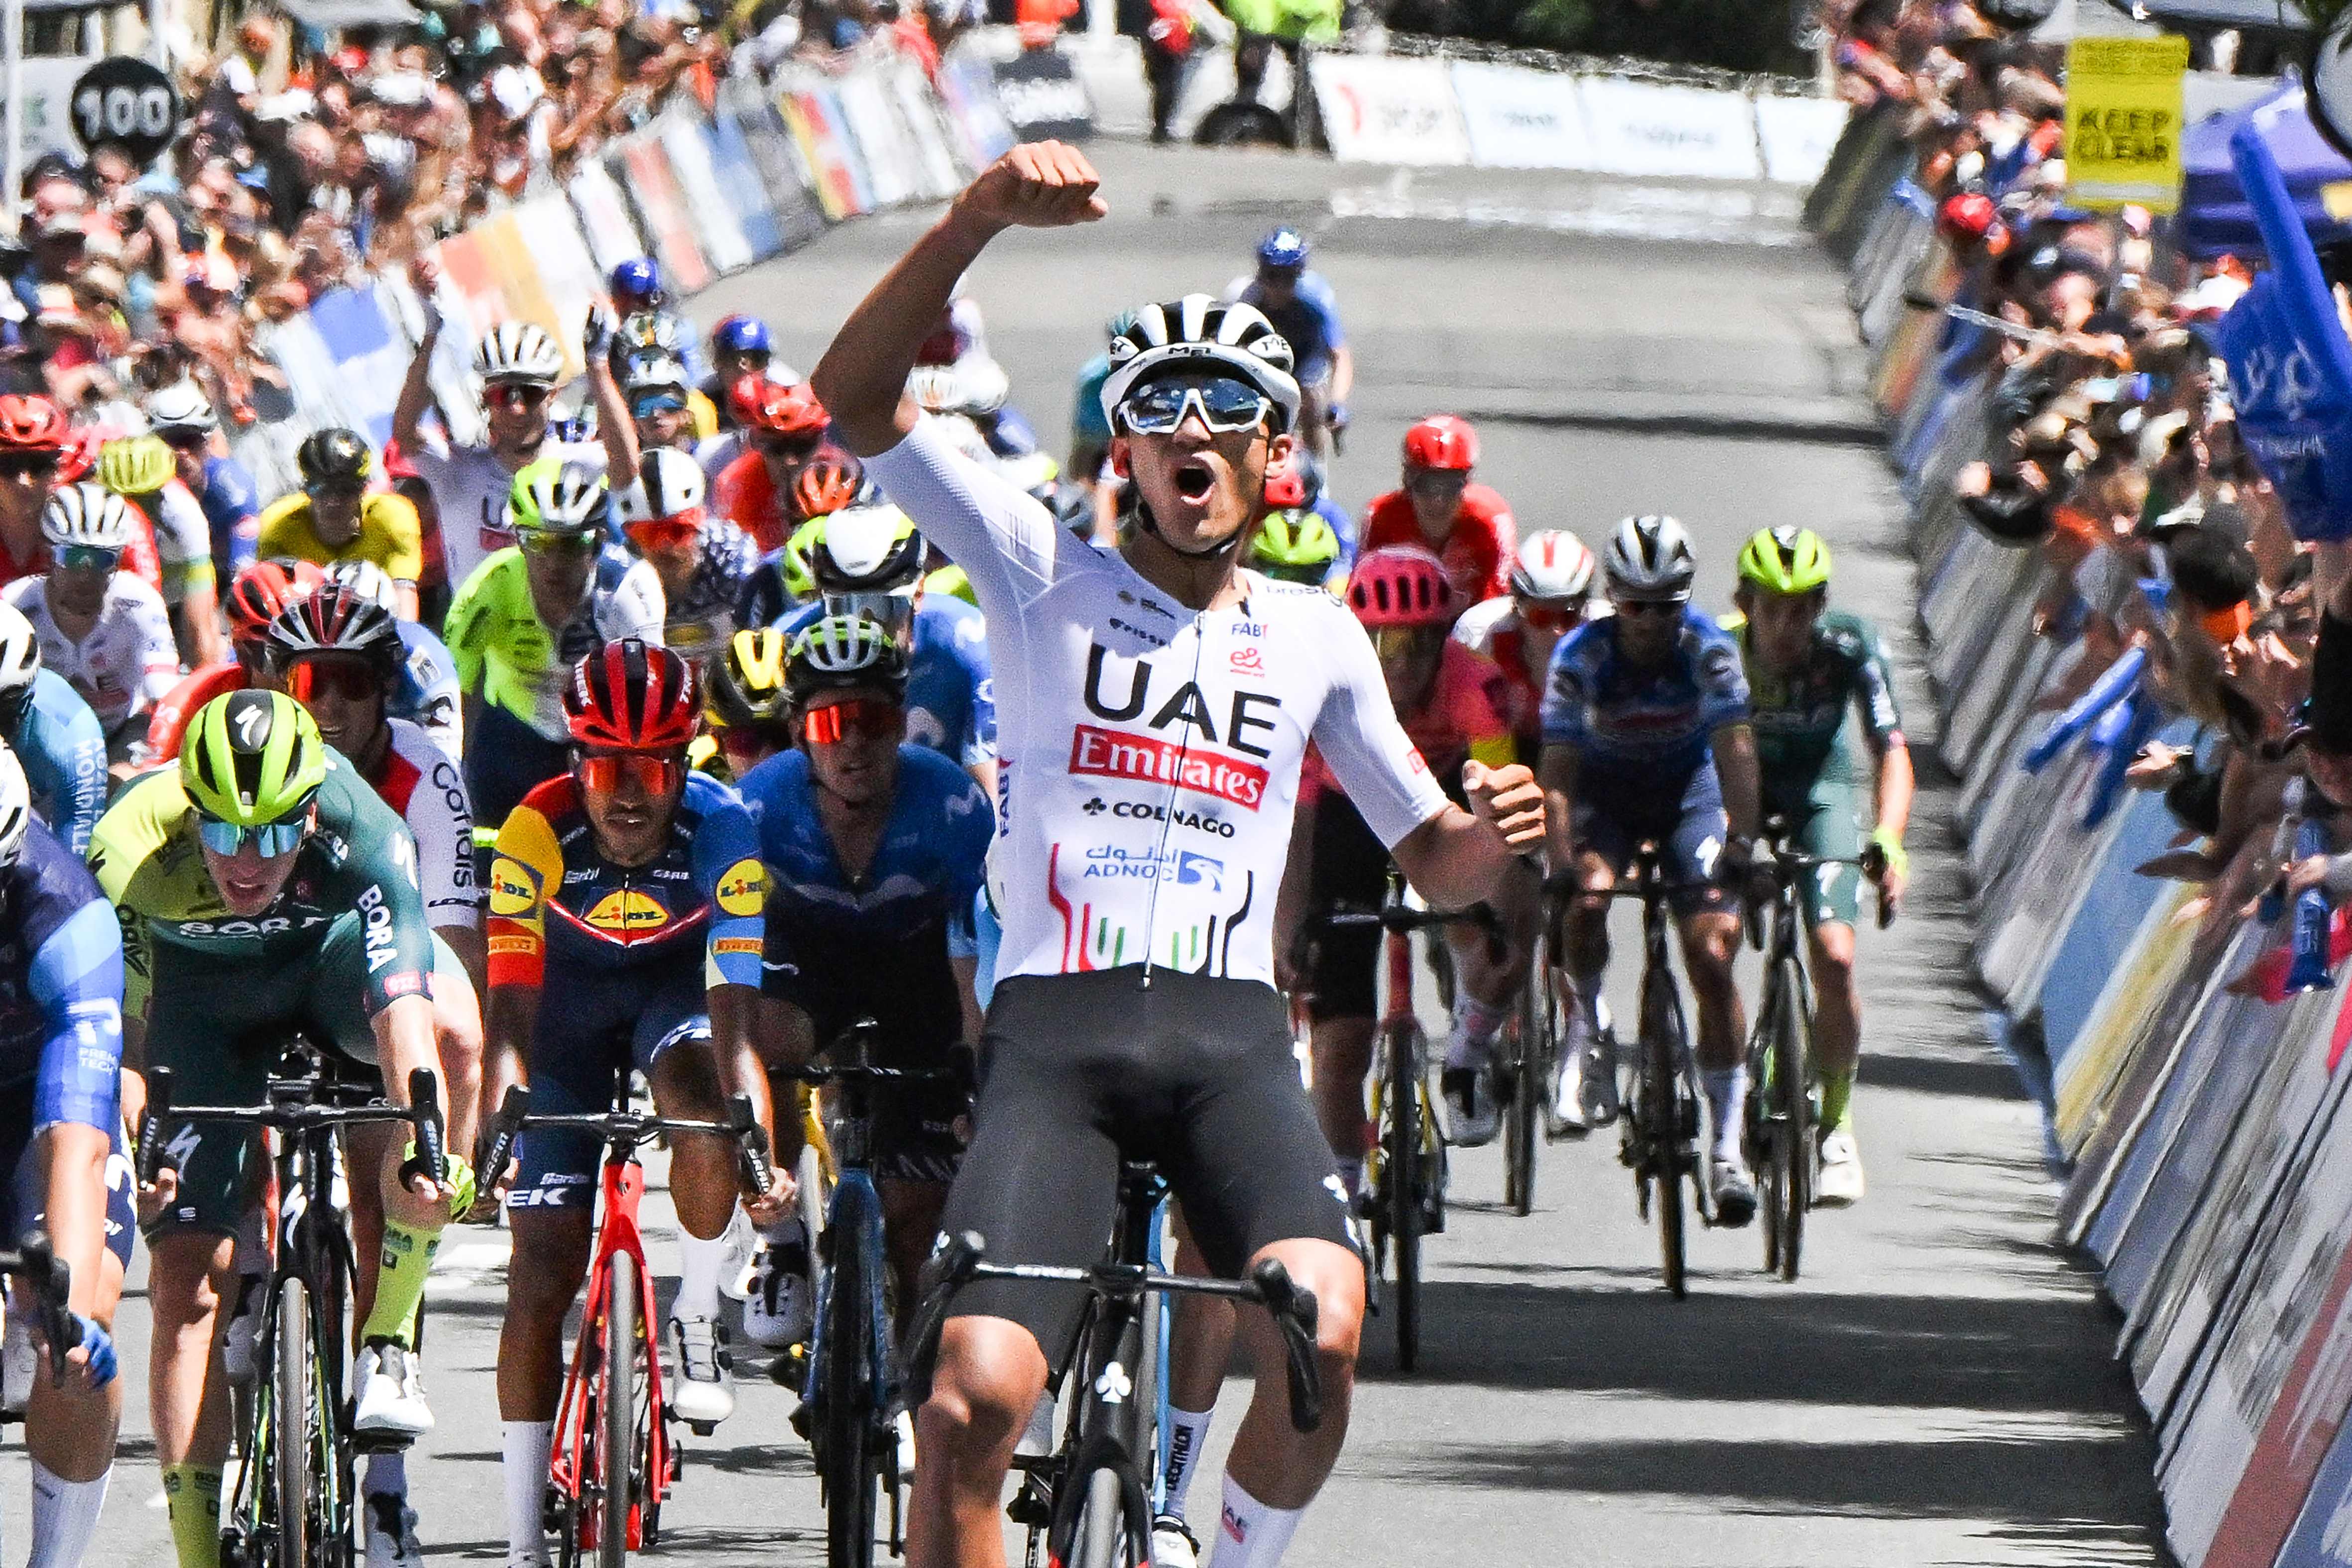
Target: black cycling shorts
x,y
1350,867
1193,1071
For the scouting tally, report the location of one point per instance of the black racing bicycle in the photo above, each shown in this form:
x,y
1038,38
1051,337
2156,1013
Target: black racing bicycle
x,y
1783,1129
1088,1504
295,1499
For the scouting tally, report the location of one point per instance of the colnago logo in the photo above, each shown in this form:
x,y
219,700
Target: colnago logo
x,y
1111,753
382,946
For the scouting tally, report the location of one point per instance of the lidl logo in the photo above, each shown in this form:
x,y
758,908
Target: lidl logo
x,y
627,910
511,892
744,889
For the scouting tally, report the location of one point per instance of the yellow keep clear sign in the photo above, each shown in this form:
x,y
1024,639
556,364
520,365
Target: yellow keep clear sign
x,y
2123,121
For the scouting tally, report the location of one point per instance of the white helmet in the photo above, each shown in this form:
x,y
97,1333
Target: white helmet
x,y
643,372
15,807
20,653
368,581
1551,566
1199,332
518,351
669,482
86,514
1650,557
180,406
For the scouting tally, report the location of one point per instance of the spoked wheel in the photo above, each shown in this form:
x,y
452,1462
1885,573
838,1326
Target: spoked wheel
x,y
1400,1140
1662,1110
620,1420
290,1400
851,1475
1109,1533
1792,1111
1530,1073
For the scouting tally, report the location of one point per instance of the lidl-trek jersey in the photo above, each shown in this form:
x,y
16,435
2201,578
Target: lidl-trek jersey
x,y
1150,754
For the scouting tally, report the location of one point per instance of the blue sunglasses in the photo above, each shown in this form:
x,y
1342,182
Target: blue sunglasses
x,y
271,839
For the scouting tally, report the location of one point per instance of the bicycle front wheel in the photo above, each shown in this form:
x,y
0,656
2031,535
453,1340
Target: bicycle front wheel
x,y
1529,1057
1108,1532
291,1396
621,1456
850,1475
1793,1108
1662,1111
1405,1114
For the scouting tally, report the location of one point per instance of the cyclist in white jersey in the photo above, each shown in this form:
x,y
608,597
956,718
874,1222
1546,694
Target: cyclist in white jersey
x,y
1154,705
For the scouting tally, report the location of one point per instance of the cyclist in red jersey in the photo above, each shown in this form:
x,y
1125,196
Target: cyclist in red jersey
x,y
784,428
38,453
1550,576
255,595
1465,525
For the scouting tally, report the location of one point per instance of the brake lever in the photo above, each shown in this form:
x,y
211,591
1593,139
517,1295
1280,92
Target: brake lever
x,y
1296,1315
947,1271
751,1144
149,1161
432,1158
51,1281
501,1135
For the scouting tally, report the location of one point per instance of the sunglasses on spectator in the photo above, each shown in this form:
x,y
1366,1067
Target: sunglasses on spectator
x,y
1225,405
876,718
19,464
185,440
535,542
768,444
270,839
664,533
89,558
350,679
1638,608
644,405
520,397
1540,617
653,772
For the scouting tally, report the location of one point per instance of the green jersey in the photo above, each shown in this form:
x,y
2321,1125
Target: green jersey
x,y
1801,719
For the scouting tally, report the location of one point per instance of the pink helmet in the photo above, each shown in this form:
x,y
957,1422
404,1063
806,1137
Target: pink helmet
x,y
1402,585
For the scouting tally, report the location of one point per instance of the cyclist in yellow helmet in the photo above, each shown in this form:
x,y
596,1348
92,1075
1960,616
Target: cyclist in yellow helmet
x,y
141,470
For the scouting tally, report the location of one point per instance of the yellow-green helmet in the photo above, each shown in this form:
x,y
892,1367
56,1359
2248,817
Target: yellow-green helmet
x,y
135,465
252,757
556,496
1295,545
799,580
1786,560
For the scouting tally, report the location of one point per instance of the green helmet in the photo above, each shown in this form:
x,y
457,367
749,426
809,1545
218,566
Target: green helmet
x,y
1296,546
1786,560
799,580
843,652
135,465
553,496
252,757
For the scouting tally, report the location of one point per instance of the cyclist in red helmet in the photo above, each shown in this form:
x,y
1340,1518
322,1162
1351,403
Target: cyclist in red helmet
x,y
1439,508
1455,704
784,432
32,446
254,597
614,885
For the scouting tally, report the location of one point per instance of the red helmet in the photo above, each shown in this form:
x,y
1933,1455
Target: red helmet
x,y
631,695
787,411
77,458
1442,441
257,594
1284,489
31,424
1967,215
1402,585
826,485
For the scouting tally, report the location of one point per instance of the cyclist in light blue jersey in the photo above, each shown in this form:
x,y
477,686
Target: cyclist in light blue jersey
x,y
56,736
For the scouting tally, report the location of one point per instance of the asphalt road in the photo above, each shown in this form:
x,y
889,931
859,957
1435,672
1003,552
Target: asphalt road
x,y
1937,1389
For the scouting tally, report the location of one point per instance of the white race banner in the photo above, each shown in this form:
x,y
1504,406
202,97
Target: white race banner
x,y
1797,134
1641,128
1521,119
1380,109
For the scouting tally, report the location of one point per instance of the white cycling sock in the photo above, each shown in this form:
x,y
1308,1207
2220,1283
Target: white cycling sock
x,y
1727,1096
529,1445
1471,1042
699,1265
387,1472
65,1517
1251,1534
1188,1433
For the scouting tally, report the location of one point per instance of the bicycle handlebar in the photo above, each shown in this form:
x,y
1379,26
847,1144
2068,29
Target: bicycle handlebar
x,y
625,1128
286,1114
962,1260
1404,918
50,1279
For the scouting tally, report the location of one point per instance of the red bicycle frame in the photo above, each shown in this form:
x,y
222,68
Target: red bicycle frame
x,y
579,1453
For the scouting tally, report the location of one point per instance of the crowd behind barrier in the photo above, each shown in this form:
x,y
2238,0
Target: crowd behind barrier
x,y
2192,1099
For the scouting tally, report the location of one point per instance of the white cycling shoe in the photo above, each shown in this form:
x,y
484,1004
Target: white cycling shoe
x,y
778,1313
1473,1115
1840,1184
392,1533
1172,1545
1735,1193
391,1395
704,1394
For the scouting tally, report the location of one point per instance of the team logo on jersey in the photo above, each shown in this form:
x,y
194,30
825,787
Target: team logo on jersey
x,y
744,889
626,911
511,890
1115,754
1248,662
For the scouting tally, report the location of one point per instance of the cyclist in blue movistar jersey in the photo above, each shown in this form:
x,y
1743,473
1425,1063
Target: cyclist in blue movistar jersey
x,y
56,736
875,849
1646,738
1305,310
183,416
868,561
60,1148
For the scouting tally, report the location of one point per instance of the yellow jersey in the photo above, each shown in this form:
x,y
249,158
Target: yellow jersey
x,y
390,534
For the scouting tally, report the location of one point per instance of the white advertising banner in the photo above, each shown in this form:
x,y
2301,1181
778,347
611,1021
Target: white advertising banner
x,y
1642,128
1380,109
1797,134
1521,119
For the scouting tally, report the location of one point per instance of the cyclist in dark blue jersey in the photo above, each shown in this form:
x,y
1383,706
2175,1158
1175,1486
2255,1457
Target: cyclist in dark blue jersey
x,y
1646,736
57,739
1305,310
875,849
60,1148
224,492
